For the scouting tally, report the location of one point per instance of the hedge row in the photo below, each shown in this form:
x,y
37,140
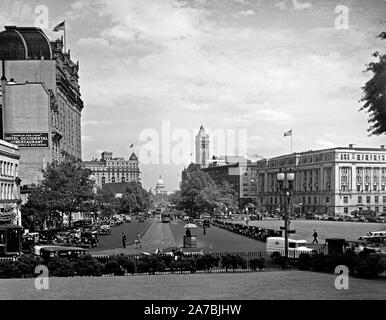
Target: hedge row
x,y
364,264
87,265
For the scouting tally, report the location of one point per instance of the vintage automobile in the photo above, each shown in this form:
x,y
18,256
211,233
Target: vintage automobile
x,y
47,252
88,239
374,237
104,229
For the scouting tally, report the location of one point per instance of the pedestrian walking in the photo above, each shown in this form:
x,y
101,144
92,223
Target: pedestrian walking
x,y
123,240
204,230
315,235
138,241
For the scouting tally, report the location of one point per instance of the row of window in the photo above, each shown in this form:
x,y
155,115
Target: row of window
x,y
6,191
365,157
123,179
368,199
366,187
8,169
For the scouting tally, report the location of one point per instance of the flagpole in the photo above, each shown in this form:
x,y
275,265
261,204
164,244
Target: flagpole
x,y
291,139
65,39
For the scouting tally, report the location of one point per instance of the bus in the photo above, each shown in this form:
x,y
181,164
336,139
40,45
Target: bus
x,y
10,239
165,217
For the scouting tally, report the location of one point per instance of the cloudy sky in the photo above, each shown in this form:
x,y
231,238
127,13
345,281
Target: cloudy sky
x,y
262,66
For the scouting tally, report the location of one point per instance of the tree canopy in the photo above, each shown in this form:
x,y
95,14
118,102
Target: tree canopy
x,y
134,199
200,194
374,93
66,188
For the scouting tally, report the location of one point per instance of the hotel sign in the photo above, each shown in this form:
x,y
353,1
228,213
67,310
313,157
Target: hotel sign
x,y
28,139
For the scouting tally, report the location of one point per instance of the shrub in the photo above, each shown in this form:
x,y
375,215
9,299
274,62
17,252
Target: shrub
x,y
88,266
278,259
206,262
126,263
318,262
370,266
332,261
25,266
6,269
151,264
112,267
59,267
257,263
304,261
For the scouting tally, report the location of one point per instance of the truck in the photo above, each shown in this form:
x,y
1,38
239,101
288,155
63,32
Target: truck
x,y
295,247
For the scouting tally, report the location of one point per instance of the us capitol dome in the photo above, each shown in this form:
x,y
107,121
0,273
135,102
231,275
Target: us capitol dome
x,y
160,187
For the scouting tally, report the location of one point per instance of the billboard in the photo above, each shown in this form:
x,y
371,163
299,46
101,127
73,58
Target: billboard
x,y
28,139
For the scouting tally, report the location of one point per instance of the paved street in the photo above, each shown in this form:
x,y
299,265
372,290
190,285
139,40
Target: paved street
x,y
158,235
256,285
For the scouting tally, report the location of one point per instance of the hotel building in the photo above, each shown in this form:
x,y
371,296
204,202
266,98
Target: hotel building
x,y
114,170
41,104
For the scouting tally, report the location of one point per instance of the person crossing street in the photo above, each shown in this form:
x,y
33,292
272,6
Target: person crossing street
x,y
315,235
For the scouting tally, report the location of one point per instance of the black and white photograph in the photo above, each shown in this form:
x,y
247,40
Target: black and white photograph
x,y
206,151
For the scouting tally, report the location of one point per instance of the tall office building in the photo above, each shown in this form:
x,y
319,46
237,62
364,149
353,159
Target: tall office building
x,y
202,147
41,104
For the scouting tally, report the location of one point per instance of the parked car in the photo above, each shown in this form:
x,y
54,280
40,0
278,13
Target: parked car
x,y
105,229
89,239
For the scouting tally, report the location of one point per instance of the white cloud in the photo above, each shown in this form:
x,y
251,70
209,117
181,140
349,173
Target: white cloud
x,y
245,13
156,60
300,5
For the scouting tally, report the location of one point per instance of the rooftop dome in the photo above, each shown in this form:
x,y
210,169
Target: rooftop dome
x,y
160,183
29,43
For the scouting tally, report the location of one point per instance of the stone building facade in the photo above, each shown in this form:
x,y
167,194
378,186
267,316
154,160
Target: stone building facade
x,y
41,100
9,186
330,181
114,170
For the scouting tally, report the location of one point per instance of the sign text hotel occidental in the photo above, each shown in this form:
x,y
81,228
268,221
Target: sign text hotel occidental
x,y
28,139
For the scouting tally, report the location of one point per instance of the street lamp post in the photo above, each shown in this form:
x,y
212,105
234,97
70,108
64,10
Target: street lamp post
x,y
285,180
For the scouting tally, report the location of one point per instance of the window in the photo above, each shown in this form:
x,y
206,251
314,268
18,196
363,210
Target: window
x,y
376,209
327,200
345,199
315,200
368,199
367,187
358,187
359,199
345,210
376,199
384,199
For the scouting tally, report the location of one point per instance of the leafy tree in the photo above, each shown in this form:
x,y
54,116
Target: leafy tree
x,y
66,188
106,203
374,93
199,193
134,199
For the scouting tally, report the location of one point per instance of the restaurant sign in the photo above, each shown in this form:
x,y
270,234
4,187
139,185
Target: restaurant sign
x,y
28,139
